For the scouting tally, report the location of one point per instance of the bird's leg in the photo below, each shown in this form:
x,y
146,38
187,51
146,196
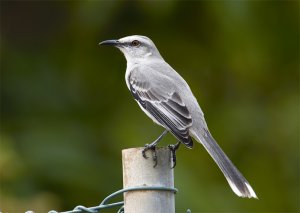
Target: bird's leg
x,y
152,146
173,148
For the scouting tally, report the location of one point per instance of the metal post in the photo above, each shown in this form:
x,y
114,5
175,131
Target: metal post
x,y
138,171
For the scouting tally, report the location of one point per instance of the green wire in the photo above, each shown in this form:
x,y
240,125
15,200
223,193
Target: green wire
x,y
103,204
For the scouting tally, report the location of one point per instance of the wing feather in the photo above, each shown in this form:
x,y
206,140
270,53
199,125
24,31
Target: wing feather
x,y
164,105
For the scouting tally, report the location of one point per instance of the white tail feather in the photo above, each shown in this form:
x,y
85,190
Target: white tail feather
x,y
236,180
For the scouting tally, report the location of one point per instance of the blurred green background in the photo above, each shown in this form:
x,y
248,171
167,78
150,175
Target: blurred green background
x,y
66,113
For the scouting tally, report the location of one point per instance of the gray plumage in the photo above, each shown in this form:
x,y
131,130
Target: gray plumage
x,y
168,100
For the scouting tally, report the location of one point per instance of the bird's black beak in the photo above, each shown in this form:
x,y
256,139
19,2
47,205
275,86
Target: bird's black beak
x,y
110,42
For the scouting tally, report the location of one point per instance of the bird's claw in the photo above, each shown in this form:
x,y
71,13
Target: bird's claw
x,y
144,151
153,149
173,148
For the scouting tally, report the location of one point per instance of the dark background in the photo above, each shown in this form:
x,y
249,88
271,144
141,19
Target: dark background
x,y
66,113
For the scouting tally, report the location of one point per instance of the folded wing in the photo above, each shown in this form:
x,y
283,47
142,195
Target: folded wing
x,y
159,98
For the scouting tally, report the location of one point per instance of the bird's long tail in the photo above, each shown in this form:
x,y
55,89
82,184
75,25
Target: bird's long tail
x,y
236,180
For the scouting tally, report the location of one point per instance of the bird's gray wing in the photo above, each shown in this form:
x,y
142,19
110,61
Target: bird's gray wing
x,y
156,94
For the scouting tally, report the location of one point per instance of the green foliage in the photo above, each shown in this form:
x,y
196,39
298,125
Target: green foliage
x,y
66,113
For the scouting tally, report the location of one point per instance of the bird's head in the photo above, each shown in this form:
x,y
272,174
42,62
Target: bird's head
x,y
135,48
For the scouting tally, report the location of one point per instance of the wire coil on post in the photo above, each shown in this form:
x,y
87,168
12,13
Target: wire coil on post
x,y
103,204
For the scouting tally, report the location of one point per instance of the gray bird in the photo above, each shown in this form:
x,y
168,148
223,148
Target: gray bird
x,y
168,100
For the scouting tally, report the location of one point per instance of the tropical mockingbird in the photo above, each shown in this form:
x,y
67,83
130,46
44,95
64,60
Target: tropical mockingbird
x,y
168,100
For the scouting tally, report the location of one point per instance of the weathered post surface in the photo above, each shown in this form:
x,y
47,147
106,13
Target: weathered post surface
x,y
138,171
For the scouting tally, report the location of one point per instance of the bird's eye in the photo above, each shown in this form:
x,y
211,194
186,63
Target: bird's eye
x,y
135,43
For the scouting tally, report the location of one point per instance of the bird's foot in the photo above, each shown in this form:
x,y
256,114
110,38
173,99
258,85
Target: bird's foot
x,y
173,148
151,147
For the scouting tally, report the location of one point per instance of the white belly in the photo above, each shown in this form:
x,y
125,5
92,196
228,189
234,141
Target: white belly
x,y
149,115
